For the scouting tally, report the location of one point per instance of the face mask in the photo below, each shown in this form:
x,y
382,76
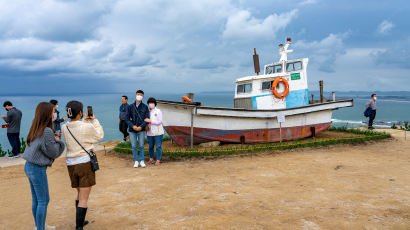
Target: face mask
x,y
375,98
139,98
6,109
151,106
56,106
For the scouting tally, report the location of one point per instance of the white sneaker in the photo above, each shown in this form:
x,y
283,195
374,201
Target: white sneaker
x,y
48,227
142,164
136,164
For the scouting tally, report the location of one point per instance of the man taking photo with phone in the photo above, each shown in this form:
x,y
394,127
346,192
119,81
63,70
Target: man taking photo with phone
x,y
13,119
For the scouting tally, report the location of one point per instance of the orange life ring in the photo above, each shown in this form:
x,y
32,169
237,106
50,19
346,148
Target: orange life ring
x,y
186,99
275,83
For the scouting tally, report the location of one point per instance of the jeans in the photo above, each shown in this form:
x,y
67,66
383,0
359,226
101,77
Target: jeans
x,y
137,140
14,139
372,117
124,128
157,142
37,176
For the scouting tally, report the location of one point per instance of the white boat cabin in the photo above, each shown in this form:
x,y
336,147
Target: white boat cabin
x,y
255,92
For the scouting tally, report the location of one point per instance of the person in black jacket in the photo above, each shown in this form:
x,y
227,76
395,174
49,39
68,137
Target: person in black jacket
x,y
56,118
136,114
123,118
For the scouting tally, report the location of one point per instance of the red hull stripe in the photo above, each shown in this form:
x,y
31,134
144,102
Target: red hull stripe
x,y
181,134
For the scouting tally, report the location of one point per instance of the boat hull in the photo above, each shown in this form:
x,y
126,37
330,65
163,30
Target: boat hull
x,y
182,135
244,126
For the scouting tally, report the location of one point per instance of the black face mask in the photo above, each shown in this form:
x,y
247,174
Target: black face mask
x,y
7,109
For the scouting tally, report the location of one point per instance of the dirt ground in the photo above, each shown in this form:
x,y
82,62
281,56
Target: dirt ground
x,y
364,186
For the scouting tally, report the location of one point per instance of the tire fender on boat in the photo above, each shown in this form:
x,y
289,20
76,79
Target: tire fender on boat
x,y
186,99
275,84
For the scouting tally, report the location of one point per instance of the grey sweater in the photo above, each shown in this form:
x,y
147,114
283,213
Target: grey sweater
x,y
43,150
14,120
371,103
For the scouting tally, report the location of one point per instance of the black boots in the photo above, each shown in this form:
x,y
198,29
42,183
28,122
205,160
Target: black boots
x,y
85,221
80,217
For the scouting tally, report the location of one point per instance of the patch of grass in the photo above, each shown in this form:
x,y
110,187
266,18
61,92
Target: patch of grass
x,y
364,135
4,152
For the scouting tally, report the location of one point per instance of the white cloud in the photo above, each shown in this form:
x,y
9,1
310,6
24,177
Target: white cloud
x,y
308,2
323,53
385,27
242,26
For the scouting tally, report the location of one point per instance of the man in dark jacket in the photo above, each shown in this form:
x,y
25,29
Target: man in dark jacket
x,y
13,118
123,117
136,114
56,118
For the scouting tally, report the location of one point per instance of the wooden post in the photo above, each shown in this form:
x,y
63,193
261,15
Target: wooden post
x,y
280,131
313,98
322,99
190,96
192,128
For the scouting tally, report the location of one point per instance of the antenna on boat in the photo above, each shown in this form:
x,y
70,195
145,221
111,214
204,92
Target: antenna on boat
x,y
283,50
256,62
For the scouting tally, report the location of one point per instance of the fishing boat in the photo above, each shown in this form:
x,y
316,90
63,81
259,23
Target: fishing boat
x,y
269,107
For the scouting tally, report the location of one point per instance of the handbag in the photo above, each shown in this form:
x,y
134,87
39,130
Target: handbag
x,y
146,127
93,156
367,111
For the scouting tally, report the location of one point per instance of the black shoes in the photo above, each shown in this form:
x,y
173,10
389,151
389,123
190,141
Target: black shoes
x,y
85,221
80,217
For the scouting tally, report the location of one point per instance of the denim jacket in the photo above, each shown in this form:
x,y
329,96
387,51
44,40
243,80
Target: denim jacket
x,y
134,119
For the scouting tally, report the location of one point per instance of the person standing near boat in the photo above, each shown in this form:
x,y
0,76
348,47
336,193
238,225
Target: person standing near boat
x,y
42,148
56,118
155,132
123,118
372,105
77,158
136,114
13,119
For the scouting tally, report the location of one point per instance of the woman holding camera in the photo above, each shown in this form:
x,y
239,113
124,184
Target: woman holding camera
x,y
87,132
42,148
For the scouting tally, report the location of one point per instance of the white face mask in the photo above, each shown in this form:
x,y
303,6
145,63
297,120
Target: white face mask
x,y
375,98
151,106
139,98
56,106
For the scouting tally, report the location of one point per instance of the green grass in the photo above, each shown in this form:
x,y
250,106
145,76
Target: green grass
x,y
4,152
365,135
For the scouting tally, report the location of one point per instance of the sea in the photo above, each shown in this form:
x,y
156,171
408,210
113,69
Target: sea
x,y
392,107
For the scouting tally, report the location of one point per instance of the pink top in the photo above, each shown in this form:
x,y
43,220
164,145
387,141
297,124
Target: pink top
x,y
154,121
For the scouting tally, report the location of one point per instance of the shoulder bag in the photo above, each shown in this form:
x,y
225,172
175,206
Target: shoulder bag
x,y
93,157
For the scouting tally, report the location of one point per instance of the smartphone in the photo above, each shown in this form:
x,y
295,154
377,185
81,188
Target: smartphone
x,y
90,111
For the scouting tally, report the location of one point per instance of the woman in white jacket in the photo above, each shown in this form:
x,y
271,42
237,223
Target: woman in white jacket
x,y
155,132
87,132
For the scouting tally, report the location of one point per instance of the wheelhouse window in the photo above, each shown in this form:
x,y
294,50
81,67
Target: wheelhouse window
x,y
244,88
274,69
293,66
267,85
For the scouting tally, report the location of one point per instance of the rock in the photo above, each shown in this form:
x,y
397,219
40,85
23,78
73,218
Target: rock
x,y
210,144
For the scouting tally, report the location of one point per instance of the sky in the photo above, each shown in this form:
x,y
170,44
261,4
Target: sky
x,y
179,46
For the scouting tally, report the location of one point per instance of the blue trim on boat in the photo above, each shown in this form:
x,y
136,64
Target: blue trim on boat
x,y
297,98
